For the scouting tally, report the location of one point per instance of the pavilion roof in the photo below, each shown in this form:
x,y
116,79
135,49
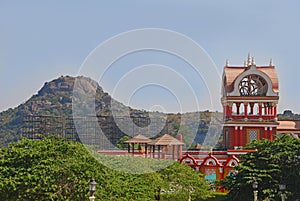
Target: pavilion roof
x,y
139,139
166,140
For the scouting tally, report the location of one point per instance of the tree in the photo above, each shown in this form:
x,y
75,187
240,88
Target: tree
x,y
272,163
121,144
59,169
188,136
47,169
184,183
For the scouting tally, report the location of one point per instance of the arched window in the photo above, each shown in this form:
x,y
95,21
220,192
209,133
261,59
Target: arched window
x,y
211,162
255,109
234,109
253,85
242,108
232,163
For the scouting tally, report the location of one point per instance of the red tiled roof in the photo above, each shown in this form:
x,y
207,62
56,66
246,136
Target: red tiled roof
x,y
288,126
231,73
166,140
138,139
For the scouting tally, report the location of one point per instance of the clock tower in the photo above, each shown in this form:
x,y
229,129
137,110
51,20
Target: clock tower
x,y
250,95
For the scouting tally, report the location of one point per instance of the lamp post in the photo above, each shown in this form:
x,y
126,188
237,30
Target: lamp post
x,y
255,191
282,188
92,188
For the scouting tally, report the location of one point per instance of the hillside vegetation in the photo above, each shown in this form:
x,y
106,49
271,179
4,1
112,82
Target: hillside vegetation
x,y
55,98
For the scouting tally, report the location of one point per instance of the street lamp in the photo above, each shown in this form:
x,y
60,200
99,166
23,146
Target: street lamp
x,y
255,191
92,188
282,188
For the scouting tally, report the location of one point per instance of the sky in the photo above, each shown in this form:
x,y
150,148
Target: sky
x,y
42,40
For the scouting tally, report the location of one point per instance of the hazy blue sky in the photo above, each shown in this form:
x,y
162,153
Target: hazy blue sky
x,y
41,40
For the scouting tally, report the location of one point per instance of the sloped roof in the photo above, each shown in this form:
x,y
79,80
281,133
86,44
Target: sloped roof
x,y
232,72
288,125
138,139
166,140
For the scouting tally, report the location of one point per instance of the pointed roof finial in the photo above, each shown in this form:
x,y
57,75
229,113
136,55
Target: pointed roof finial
x,y
253,62
271,62
227,62
249,59
245,63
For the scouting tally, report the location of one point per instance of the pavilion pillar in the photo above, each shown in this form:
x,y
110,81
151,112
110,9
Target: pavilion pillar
x,y
153,151
158,152
179,151
163,151
146,150
132,144
173,152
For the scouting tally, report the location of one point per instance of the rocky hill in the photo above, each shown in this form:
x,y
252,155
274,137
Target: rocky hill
x,y
54,100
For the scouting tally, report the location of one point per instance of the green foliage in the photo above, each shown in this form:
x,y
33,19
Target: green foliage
x,y
188,135
288,115
58,169
121,144
183,183
215,197
48,169
273,163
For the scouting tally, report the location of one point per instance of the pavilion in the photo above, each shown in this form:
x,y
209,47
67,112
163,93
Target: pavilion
x,y
141,141
163,147
167,147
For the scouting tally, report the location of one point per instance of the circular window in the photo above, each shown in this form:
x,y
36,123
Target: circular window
x,y
253,85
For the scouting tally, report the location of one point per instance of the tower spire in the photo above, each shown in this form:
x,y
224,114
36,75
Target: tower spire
x,y
253,62
249,60
271,62
245,63
227,62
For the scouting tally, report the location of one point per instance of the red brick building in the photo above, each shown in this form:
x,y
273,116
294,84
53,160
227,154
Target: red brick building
x,y
250,96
